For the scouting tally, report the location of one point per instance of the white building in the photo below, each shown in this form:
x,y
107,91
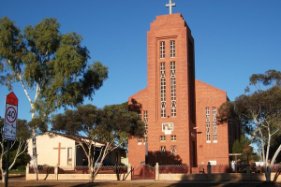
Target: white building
x,y
59,150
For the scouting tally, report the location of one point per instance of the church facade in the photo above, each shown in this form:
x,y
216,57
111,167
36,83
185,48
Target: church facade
x,y
179,112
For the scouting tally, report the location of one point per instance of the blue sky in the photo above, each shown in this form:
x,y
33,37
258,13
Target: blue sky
x,y
233,39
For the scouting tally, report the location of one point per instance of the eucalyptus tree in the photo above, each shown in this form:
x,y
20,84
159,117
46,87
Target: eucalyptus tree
x,y
106,129
243,146
52,68
259,112
17,148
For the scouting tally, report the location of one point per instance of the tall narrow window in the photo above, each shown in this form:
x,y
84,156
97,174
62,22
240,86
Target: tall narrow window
x,y
208,135
215,127
139,141
163,148
173,88
34,152
69,155
163,89
174,149
172,48
145,119
162,49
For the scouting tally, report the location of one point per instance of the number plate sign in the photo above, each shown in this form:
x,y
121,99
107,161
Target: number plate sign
x,y
11,115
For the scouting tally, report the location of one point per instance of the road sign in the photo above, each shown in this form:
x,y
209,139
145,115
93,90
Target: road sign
x,y
11,115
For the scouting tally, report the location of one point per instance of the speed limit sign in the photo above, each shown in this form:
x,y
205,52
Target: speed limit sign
x,y
11,115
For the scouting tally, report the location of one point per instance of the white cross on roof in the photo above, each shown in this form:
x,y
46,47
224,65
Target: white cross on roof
x,y
170,5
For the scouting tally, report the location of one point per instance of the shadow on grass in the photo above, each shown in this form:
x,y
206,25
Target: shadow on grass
x,y
226,184
42,186
92,184
223,180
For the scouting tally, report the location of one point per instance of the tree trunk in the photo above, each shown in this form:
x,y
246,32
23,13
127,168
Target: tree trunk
x,y
90,167
4,176
2,173
117,168
98,163
278,150
1,163
267,174
34,154
34,146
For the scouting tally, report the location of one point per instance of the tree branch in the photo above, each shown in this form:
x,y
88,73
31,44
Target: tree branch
x,y
275,155
19,152
25,89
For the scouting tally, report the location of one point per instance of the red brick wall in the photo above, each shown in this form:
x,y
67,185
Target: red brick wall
x,y
166,28
207,95
190,106
136,150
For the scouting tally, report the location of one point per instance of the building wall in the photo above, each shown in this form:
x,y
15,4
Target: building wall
x,y
47,150
167,28
192,98
214,151
136,146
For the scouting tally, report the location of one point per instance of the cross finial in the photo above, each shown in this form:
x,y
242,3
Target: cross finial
x,y
170,5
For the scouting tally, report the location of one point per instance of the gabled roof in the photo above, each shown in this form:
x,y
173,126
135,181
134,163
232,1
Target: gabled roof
x,y
77,139
198,82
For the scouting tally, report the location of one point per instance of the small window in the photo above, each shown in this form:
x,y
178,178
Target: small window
x,y
173,137
162,138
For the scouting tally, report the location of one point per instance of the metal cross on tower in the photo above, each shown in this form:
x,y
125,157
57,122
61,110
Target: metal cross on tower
x,y
170,5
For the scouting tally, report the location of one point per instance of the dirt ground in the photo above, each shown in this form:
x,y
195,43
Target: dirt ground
x,y
20,182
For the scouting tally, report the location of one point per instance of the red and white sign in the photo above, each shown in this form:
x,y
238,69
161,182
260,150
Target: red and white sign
x,y
11,115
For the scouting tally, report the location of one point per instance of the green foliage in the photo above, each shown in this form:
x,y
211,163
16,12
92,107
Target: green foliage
x,y
11,47
112,124
268,78
21,161
261,106
243,146
44,59
119,118
38,122
23,130
259,110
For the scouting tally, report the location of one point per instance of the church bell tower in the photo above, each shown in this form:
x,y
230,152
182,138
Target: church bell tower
x,y
168,101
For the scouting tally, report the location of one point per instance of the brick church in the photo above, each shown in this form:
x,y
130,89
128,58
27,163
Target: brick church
x,y
179,112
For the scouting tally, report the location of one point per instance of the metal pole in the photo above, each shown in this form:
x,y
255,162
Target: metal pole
x,y
7,164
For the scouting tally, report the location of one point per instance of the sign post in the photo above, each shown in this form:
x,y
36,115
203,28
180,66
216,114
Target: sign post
x,y
10,126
